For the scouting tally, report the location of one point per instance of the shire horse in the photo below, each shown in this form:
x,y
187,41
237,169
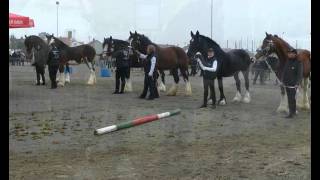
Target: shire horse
x,y
83,53
111,45
274,44
170,58
229,64
37,47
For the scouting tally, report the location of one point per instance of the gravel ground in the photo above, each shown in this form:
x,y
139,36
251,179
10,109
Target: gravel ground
x,y
51,133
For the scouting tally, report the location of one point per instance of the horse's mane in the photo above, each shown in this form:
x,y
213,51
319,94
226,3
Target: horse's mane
x,y
61,43
216,47
121,41
36,39
283,41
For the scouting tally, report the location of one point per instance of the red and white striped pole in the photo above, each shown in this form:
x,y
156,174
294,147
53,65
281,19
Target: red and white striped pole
x,y
135,122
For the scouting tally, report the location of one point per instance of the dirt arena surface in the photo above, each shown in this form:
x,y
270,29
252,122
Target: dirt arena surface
x,y
51,133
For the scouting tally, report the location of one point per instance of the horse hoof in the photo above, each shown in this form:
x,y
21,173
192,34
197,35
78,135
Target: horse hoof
x,y
60,84
246,100
222,102
235,100
281,109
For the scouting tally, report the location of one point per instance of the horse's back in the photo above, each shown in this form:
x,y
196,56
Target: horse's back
x,y
239,59
174,57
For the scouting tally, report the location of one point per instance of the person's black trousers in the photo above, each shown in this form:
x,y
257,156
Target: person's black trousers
x,y
40,71
149,84
209,83
291,94
53,69
120,74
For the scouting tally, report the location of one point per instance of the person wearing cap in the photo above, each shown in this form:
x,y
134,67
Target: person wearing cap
x,y
209,68
291,78
150,73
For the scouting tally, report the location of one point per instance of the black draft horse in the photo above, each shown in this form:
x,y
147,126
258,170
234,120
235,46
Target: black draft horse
x,y
37,48
229,64
111,45
83,53
169,58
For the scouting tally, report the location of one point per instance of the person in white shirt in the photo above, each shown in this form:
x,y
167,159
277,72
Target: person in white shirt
x,y
209,74
150,73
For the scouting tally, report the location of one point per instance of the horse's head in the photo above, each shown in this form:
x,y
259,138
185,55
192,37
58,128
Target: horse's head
x,y
137,41
50,39
33,42
108,46
28,44
197,44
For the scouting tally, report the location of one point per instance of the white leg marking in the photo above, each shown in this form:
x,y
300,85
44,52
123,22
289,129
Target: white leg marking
x,y
247,97
67,77
173,90
188,88
61,80
237,98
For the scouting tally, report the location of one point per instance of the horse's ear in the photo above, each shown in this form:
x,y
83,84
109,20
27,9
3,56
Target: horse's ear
x,y
135,32
191,34
197,33
131,33
25,36
267,34
111,37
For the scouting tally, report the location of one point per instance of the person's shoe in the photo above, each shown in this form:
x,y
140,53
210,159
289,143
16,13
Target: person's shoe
x,y
121,92
150,98
203,106
43,83
53,87
142,97
116,92
289,116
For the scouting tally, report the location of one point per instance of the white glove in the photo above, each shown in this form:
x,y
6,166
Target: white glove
x,y
150,74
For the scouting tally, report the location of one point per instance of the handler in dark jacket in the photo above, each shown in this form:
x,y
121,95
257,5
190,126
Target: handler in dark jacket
x,y
209,74
122,65
291,78
53,65
150,73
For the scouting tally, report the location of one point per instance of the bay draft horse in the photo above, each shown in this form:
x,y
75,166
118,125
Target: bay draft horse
x,y
274,44
169,58
111,45
229,64
83,53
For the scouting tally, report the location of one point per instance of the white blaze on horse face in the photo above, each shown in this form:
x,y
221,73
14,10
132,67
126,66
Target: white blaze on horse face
x,y
105,47
130,41
51,41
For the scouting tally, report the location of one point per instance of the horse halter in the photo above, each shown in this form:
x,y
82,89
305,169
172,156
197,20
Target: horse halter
x,y
268,48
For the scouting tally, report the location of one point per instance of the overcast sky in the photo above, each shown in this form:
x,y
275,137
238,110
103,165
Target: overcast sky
x,y
170,21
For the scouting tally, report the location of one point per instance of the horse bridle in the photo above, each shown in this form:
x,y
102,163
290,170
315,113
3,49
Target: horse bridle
x,y
267,50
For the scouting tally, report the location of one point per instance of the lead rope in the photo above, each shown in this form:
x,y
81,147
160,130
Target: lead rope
x,y
281,84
